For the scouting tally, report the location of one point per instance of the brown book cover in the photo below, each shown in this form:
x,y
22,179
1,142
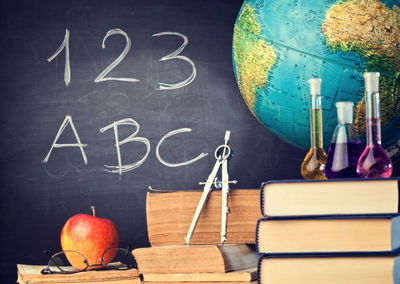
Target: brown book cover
x,y
169,215
30,274
195,258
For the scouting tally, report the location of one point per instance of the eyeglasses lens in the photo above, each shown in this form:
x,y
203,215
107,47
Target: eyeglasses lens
x,y
61,262
118,258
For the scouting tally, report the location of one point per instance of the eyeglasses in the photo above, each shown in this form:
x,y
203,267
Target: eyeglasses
x,y
113,258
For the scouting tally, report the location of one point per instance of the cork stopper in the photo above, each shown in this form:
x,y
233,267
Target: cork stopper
x,y
315,86
371,82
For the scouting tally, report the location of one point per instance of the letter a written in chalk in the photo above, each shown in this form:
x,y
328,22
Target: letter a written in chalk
x,y
67,120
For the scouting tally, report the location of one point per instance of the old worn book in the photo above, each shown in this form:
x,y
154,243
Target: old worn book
x,y
198,282
371,269
195,258
169,215
330,197
328,234
245,275
30,274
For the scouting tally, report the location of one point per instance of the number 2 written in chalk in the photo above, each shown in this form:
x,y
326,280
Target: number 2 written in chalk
x,y
103,75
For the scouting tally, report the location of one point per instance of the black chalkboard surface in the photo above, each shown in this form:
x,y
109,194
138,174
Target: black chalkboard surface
x,y
38,197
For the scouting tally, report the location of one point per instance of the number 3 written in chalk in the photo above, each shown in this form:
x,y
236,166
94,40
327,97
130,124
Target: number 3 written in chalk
x,y
103,75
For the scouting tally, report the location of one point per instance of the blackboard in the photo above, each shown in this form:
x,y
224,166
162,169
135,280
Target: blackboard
x,y
36,197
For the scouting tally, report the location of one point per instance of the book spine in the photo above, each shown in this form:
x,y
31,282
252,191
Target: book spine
x,y
262,196
396,270
395,233
259,269
258,235
398,196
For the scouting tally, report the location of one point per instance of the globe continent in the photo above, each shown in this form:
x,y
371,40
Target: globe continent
x,y
279,44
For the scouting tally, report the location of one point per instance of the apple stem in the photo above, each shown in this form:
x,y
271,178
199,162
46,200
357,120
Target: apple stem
x,y
93,210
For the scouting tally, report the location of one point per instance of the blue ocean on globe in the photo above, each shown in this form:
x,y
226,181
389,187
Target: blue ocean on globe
x,y
279,45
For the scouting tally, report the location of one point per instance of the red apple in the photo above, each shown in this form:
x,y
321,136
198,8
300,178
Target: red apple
x,y
91,236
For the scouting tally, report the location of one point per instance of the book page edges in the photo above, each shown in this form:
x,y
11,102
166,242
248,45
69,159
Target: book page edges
x,y
31,274
179,259
324,235
238,257
316,270
244,213
245,275
330,198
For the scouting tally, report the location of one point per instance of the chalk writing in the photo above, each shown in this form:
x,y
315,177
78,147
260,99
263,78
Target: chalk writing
x,y
67,120
169,134
67,68
125,168
121,168
101,77
175,55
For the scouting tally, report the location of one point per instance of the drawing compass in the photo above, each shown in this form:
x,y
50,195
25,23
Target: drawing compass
x,y
222,154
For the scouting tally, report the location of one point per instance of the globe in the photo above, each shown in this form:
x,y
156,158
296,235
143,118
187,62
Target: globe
x,y
279,44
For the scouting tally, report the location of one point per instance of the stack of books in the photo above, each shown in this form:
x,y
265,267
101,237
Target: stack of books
x,y
170,260
331,231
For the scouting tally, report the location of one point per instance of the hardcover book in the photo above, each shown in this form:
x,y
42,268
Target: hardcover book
x,y
330,197
245,275
169,214
339,269
198,282
328,234
30,274
195,258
